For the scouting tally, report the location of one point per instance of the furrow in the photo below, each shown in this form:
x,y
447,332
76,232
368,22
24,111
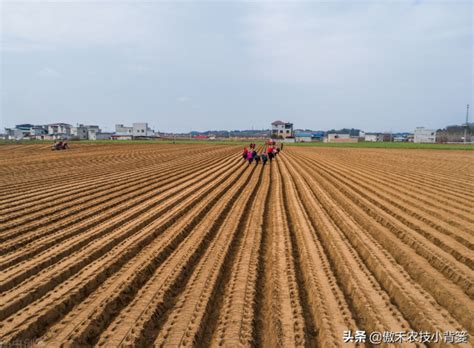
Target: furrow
x,y
113,207
327,306
50,308
88,320
91,190
235,313
11,276
389,273
194,305
142,319
414,265
370,305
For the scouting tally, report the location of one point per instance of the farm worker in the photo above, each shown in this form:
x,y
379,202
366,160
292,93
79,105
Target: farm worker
x,y
256,157
278,150
264,158
270,153
249,157
246,151
281,146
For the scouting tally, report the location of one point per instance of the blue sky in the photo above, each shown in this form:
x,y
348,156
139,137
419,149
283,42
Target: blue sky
x,y
374,65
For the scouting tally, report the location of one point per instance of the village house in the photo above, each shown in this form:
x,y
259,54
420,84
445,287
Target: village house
x,y
282,129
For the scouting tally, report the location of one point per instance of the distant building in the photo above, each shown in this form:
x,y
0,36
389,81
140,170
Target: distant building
x,y
79,132
85,132
39,130
120,129
301,137
92,134
44,137
138,130
371,137
14,134
59,129
424,135
282,129
317,136
103,136
24,131
121,137
385,137
338,138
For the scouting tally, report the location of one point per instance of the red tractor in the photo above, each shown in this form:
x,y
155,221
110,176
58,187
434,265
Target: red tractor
x,y
60,145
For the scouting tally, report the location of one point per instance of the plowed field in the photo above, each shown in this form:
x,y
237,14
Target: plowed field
x,y
181,245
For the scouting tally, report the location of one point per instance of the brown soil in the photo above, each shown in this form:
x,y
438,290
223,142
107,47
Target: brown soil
x,y
186,245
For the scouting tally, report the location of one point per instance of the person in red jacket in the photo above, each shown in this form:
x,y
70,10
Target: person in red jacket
x,y
270,153
244,154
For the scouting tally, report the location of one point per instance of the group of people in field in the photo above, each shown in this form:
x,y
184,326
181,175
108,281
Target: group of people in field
x,y
250,153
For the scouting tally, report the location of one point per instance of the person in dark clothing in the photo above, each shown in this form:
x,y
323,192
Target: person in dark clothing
x,y
281,146
256,158
264,158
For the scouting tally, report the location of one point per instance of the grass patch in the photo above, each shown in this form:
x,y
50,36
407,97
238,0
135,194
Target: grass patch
x,y
387,145
364,144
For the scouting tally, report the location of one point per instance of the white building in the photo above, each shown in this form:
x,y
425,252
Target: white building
x,y
14,133
120,129
282,129
371,137
59,128
424,135
139,129
92,134
85,132
22,131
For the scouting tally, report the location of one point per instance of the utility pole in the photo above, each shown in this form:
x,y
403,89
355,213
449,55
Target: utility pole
x,y
466,126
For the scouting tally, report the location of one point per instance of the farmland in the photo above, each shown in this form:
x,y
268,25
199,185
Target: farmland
x,y
182,245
